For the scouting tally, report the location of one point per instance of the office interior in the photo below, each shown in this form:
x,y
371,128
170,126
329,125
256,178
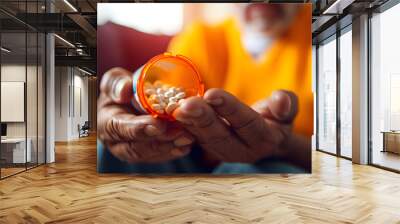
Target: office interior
x,y
48,87
356,84
48,81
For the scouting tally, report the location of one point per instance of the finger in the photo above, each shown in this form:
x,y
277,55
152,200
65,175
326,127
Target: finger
x,y
281,106
210,131
175,153
117,84
121,152
155,151
200,119
128,127
173,132
245,121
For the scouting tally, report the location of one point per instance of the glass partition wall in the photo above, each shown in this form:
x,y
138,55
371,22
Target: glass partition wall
x,y
327,95
385,89
345,93
22,78
334,94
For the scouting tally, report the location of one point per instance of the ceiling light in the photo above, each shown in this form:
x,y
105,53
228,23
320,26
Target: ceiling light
x,y
64,40
337,7
84,71
70,5
5,50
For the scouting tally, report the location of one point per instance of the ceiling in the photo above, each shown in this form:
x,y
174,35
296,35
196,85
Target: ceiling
x,y
75,21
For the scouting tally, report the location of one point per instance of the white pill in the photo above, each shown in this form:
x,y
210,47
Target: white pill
x,y
149,91
173,99
156,106
168,94
162,105
152,98
180,101
173,90
160,91
180,95
160,98
171,107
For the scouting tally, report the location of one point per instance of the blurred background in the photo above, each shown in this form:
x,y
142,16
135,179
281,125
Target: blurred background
x,y
166,19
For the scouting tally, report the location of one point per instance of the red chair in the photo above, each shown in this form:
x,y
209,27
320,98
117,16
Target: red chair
x,y
120,46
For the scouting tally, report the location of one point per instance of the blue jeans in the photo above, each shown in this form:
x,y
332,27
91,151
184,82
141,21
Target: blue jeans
x,y
107,163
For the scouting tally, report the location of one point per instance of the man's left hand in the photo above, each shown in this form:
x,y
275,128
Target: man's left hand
x,y
231,131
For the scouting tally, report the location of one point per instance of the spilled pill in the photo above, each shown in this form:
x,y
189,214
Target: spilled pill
x,y
171,107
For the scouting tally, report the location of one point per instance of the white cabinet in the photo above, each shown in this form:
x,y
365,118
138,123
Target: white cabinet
x,y
16,147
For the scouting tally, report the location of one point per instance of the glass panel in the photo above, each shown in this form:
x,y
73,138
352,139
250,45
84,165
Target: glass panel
x,y
41,98
13,86
385,84
31,97
345,94
327,96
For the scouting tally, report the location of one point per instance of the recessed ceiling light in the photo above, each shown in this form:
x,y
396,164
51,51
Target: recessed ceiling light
x,y
64,40
70,5
5,50
84,71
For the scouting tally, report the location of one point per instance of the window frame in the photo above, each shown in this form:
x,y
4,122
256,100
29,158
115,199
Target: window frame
x,y
342,26
378,10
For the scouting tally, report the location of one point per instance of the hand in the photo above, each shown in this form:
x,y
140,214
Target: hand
x,y
231,131
135,138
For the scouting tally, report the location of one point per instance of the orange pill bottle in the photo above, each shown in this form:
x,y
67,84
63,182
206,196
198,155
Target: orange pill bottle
x,y
171,70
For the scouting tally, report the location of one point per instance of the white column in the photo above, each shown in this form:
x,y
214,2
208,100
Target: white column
x,y
50,98
360,90
50,92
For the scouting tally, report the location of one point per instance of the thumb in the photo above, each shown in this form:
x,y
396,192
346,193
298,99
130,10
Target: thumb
x,y
117,84
281,106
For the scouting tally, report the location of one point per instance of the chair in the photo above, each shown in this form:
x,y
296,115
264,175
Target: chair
x,y
84,129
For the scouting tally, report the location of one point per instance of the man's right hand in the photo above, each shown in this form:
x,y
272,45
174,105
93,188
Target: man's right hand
x,y
135,138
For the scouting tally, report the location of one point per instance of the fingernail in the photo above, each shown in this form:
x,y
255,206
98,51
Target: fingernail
x,y
178,152
194,112
181,118
279,96
151,130
118,86
216,102
182,141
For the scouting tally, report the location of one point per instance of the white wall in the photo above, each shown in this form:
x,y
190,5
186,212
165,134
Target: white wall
x,y
70,83
61,103
33,126
12,73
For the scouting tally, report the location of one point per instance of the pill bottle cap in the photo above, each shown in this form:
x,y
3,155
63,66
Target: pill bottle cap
x,y
175,70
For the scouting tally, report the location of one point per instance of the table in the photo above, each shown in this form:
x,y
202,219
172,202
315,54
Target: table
x,y
391,141
13,150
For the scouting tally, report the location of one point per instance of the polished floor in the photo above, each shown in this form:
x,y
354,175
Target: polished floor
x,y
8,171
70,191
387,159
